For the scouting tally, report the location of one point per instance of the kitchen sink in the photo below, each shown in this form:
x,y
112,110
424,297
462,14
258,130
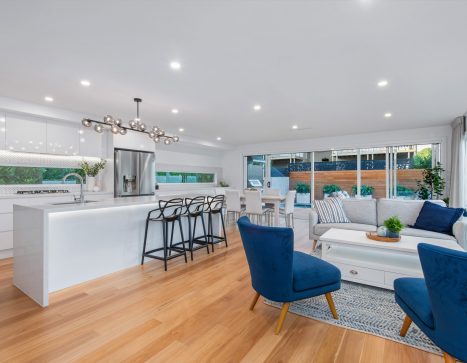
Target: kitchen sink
x,y
86,201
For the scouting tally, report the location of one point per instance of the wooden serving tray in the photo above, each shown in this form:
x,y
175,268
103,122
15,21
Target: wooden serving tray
x,y
375,237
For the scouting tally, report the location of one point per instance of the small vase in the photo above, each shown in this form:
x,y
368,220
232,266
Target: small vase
x,y
393,234
90,183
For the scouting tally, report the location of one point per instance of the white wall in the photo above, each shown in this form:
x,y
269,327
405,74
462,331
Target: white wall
x,y
233,160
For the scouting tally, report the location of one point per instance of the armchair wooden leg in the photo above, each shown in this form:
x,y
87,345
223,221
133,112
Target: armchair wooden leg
x,y
449,358
280,322
331,305
315,242
255,300
405,326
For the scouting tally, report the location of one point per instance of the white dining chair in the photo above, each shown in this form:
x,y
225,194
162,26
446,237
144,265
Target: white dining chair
x,y
254,207
288,209
233,205
271,191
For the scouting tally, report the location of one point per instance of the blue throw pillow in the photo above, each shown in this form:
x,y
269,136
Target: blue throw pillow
x,y
436,218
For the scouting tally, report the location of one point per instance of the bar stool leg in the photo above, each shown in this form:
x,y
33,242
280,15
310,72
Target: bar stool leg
x,y
171,238
223,228
145,239
181,235
204,231
192,234
211,232
165,238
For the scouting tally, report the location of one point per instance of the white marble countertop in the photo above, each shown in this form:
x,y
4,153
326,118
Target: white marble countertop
x,y
108,203
45,195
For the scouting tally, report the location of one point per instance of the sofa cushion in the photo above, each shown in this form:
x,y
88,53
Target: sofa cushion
x,y
310,272
423,233
360,210
437,218
414,294
330,210
406,210
320,228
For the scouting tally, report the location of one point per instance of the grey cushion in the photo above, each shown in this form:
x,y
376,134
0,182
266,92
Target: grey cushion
x,y
406,210
422,233
320,228
360,210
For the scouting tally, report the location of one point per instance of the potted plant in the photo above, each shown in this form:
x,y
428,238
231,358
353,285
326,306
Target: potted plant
x,y
91,171
366,191
330,188
223,184
394,226
303,193
433,183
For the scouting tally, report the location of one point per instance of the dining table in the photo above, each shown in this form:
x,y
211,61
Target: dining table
x,y
271,199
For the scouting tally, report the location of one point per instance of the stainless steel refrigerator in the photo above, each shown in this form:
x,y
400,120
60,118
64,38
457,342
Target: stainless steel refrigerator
x,y
134,173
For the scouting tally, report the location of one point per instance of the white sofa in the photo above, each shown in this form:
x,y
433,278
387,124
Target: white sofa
x,y
369,214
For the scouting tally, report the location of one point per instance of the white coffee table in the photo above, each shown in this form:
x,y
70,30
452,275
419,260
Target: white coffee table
x,y
375,263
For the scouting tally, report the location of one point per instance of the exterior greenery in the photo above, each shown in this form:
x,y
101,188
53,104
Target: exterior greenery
x,y
403,191
331,188
422,160
302,188
163,177
35,175
365,190
394,224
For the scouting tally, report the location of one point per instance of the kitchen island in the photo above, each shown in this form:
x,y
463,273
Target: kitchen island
x,y
56,246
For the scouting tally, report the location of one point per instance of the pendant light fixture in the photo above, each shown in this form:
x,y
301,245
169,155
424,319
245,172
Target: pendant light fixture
x,y
115,125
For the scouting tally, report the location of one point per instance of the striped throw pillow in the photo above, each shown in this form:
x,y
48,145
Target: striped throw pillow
x,y
330,210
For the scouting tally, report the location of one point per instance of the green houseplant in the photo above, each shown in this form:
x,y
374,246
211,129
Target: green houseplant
x,y
91,171
331,188
394,226
303,193
365,190
433,183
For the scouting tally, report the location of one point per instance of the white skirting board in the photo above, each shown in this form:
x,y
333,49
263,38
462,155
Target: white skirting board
x,y
6,253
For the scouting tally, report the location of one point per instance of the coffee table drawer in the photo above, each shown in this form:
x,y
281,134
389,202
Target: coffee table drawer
x,y
389,277
360,273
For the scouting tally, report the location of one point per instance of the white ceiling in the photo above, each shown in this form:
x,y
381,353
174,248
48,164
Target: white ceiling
x,y
310,63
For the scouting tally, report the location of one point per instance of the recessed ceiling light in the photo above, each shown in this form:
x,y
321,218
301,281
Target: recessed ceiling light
x,y
174,110
181,129
85,83
294,127
175,65
218,138
388,114
383,83
48,99
257,107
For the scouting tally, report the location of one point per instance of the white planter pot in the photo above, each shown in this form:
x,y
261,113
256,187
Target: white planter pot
x,y
366,196
90,183
303,198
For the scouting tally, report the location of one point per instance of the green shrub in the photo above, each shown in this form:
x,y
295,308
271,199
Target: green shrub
x,y
331,188
302,188
364,190
394,224
403,191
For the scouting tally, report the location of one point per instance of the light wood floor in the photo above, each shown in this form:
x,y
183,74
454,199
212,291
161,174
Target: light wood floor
x,y
195,312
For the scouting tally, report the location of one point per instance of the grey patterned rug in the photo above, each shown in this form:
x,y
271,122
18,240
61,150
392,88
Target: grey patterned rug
x,y
364,308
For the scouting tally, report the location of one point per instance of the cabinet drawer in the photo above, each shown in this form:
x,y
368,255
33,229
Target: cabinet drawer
x,y
6,240
360,273
6,222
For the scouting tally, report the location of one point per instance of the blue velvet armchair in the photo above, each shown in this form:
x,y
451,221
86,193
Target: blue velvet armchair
x,y
437,304
281,274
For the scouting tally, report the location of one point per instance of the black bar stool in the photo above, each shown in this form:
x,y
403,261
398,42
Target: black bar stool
x,y
215,206
169,212
194,210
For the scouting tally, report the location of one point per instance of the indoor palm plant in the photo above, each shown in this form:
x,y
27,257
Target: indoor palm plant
x,y
91,171
394,226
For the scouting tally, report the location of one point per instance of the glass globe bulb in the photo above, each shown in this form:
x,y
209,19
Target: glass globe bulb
x,y
132,124
142,126
162,132
176,138
98,128
157,139
118,121
108,119
167,141
155,129
86,123
152,134
122,131
115,129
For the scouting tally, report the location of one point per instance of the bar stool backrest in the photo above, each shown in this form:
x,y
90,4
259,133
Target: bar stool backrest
x,y
216,203
171,209
253,203
195,206
232,200
289,202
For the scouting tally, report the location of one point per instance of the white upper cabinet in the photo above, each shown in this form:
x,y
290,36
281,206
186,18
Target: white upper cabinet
x,y
91,143
25,134
62,138
2,130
